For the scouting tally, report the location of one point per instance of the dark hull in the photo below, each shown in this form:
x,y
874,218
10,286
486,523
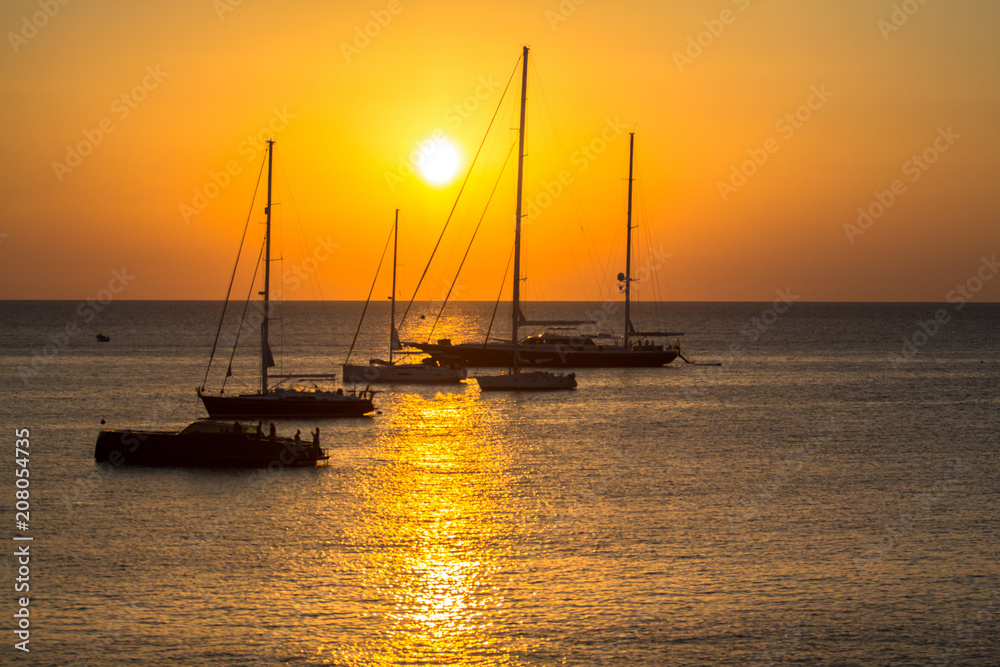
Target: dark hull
x,y
547,356
269,407
401,374
527,381
202,450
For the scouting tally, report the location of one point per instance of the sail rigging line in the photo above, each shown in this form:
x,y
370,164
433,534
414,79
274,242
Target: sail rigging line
x,y
232,278
283,175
621,249
469,247
368,300
650,238
458,197
496,304
280,259
549,139
243,316
487,159
593,254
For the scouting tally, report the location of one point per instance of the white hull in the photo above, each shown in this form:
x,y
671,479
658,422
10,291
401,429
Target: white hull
x,y
526,381
402,374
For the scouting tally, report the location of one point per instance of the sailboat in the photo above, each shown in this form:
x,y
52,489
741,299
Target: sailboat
x,y
554,348
276,402
640,344
379,370
517,378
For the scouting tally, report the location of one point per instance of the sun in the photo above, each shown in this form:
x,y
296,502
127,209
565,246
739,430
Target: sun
x,y
439,161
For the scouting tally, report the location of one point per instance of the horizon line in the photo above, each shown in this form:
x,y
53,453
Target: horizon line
x,y
678,301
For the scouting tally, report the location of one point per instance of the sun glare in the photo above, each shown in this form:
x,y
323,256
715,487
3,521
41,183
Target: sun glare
x,y
439,162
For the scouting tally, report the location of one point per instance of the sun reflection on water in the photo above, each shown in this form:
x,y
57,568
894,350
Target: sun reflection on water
x,y
459,327
437,532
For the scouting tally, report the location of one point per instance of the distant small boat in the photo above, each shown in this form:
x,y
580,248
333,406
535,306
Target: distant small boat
x,y
102,338
205,443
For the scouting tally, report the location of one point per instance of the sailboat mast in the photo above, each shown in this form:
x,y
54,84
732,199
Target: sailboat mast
x,y
392,307
516,307
265,350
628,246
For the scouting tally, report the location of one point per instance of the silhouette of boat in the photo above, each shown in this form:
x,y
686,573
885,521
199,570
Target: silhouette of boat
x,y
517,379
555,347
377,370
205,444
276,403
102,338
551,349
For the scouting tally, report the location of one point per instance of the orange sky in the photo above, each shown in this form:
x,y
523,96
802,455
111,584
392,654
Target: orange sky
x,y
117,114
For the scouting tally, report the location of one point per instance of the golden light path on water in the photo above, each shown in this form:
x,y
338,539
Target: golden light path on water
x,y
436,530
805,504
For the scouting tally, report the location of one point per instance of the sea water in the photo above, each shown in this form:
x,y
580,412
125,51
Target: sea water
x,y
829,495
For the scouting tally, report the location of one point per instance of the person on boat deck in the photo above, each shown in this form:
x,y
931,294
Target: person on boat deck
x,y
298,436
272,432
316,437
260,430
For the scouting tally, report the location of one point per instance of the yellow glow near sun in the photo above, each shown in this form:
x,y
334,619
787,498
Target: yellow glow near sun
x,y
439,161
